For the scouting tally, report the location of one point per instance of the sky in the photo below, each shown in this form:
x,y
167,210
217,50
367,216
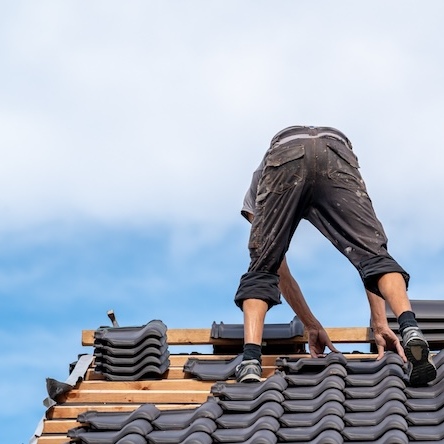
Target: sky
x,y
129,133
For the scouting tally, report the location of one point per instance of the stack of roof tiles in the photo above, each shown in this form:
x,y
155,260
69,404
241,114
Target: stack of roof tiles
x,y
327,400
132,353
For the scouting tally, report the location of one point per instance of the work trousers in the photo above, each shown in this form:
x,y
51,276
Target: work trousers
x,y
312,173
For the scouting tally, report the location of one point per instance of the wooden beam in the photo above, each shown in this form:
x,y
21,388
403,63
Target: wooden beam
x,y
136,396
202,336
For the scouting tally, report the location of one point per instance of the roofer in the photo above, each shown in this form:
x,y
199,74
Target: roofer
x,y
312,173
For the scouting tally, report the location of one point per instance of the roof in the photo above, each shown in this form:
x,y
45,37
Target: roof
x,y
131,389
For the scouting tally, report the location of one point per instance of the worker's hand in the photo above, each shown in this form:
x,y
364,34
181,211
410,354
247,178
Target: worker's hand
x,y
386,340
317,341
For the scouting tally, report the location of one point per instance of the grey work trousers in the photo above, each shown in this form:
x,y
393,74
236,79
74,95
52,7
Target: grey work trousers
x,y
314,178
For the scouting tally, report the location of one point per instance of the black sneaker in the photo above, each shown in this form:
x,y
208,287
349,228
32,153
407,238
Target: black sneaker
x,y
249,371
421,369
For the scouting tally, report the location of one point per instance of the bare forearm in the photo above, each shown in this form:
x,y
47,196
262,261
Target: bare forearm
x,y
377,309
293,295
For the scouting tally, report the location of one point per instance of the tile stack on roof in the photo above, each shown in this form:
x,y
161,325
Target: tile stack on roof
x,y
132,353
326,400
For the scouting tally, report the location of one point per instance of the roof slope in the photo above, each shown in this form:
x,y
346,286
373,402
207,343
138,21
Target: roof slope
x,y
340,398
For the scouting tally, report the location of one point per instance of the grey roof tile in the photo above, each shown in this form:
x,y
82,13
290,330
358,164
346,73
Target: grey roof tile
x,y
356,392
205,425
249,406
426,418
123,336
271,331
310,419
311,392
180,419
372,379
244,433
238,420
128,350
246,391
309,365
117,420
371,433
133,438
307,434
128,356
372,365
389,437
363,404
426,404
309,407
426,433
364,419
307,379
260,437
211,369
139,426
146,369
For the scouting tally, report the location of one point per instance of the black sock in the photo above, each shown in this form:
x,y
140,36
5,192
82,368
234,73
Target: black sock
x,y
252,351
407,319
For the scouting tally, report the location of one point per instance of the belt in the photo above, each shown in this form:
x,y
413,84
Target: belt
x,y
309,132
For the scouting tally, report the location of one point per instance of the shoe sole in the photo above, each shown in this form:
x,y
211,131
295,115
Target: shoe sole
x,y
250,378
422,369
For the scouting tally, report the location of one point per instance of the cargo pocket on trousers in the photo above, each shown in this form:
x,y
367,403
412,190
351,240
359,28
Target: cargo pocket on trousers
x,y
283,169
343,164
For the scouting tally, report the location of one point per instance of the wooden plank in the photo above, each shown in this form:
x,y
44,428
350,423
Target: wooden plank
x,y
202,336
137,396
71,411
162,384
53,439
59,426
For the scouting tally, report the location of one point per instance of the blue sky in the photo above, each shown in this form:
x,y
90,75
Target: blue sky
x,y
129,132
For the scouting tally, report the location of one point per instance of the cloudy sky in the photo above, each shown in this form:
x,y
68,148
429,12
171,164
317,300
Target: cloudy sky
x,y
129,132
